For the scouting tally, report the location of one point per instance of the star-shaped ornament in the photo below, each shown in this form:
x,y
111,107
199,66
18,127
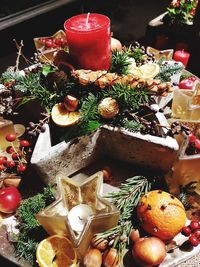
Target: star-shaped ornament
x,y
166,54
80,212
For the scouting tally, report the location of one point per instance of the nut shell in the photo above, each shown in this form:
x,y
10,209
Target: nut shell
x,y
108,108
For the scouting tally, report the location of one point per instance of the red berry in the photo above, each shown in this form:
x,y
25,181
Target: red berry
x,y
3,160
192,138
24,143
21,168
15,156
8,84
43,40
49,43
194,225
10,150
64,44
2,167
10,164
197,234
186,231
193,241
10,137
197,144
192,78
57,41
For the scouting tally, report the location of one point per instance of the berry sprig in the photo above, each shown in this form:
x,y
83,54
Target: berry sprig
x,y
19,156
50,43
192,231
34,129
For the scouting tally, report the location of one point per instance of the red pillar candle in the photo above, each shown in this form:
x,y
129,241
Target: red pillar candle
x,y
182,56
88,37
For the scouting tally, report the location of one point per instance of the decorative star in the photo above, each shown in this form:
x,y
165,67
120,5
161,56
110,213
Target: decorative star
x,y
167,54
54,218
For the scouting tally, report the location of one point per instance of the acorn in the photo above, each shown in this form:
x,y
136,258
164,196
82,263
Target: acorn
x,y
70,103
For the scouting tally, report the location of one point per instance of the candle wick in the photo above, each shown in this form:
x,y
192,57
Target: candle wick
x,y
87,19
80,218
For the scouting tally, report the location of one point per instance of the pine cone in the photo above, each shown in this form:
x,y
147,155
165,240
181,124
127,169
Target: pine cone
x,y
105,79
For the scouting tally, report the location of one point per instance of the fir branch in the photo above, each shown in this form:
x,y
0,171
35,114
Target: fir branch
x,y
30,231
128,197
167,70
89,108
10,75
120,63
126,200
25,248
131,125
127,97
30,85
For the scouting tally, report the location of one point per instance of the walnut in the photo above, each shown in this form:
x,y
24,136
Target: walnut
x,y
108,108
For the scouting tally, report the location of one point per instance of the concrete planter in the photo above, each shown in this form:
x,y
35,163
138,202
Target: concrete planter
x,y
156,153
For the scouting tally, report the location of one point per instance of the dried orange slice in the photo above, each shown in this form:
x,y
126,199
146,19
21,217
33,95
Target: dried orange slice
x,y
149,70
136,71
56,251
62,117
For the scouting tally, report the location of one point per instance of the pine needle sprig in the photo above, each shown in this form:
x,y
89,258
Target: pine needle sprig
x,y
10,75
131,125
126,200
129,194
89,120
127,97
89,108
168,70
30,231
120,62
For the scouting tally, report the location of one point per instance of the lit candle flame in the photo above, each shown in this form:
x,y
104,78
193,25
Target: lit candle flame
x,y
87,19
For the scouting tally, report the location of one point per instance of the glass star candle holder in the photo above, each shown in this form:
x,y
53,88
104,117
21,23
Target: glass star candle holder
x,y
186,168
55,218
186,103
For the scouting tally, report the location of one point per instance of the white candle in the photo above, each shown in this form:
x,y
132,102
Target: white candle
x,y
78,216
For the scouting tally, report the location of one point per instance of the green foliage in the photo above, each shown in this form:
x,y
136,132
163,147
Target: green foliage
x,y
10,75
127,97
135,52
30,231
89,108
120,62
131,125
89,121
126,200
181,11
46,69
167,70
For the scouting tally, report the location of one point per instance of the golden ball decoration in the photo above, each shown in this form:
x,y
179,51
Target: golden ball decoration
x,y
108,108
116,44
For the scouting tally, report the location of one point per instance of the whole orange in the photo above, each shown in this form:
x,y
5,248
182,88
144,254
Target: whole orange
x,y
161,214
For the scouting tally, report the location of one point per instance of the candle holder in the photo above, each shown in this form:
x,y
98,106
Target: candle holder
x,y
186,103
6,127
55,219
186,168
46,46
